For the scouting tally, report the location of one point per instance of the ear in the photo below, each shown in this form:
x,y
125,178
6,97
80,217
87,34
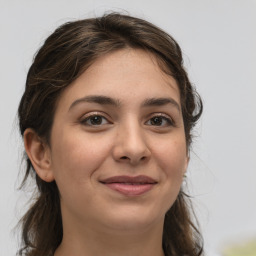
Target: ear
x,y
39,155
186,165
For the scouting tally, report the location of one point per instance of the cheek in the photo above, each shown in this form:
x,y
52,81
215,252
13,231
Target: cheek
x,y
172,157
172,160
75,158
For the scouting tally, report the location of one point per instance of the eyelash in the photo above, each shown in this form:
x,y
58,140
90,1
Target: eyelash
x,y
90,116
169,121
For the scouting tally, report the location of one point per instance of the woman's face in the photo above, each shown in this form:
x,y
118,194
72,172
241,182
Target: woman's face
x,y
118,149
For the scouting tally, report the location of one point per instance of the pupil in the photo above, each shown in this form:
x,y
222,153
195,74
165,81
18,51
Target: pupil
x,y
96,120
156,121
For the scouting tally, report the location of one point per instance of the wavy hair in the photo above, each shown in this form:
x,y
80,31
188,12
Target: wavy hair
x,y
63,57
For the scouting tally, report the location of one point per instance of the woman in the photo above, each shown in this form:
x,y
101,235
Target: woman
x,y
106,119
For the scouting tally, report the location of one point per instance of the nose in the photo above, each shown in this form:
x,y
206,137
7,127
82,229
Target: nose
x,y
131,145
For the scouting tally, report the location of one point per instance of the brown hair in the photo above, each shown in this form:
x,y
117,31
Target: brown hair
x,y
66,53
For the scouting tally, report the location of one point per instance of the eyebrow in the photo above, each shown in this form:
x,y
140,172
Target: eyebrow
x,y
105,100
161,102
99,99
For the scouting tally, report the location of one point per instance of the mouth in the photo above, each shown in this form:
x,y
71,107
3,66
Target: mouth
x,y
130,186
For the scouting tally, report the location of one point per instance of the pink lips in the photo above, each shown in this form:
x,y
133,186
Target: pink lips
x,y
130,186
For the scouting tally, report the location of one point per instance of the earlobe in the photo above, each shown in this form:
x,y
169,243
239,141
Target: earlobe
x,y
186,166
39,155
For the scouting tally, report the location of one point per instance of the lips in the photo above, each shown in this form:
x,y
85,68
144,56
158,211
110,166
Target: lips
x,y
130,186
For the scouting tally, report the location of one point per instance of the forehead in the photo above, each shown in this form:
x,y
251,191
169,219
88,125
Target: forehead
x,y
124,74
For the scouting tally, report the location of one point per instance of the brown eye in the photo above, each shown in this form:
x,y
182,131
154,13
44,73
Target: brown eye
x,y
156,121
95,120
160,121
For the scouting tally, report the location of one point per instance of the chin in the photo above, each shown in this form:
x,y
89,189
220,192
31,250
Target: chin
x,y
132,220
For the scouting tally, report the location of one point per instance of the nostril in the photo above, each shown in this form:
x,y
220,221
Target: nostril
x,y
125,158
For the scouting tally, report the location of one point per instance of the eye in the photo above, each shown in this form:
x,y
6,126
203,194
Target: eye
x,y
160,120
95,120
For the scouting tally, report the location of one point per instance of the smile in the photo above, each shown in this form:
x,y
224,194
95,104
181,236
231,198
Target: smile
x,y
130,186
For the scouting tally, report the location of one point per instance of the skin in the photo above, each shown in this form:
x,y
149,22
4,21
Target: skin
x,y
125,139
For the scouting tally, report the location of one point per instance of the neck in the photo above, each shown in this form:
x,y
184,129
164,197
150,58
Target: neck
x,y
89,240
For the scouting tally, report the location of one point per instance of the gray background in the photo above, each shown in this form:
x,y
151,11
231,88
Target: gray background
x,y
219,43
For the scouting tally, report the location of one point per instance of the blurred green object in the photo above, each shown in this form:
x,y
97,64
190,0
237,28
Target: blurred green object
x,y
244,249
